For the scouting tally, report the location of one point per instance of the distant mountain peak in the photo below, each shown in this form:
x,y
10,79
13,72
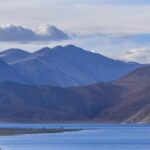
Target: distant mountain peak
x,y
67,47
42,51
58,47
60,50
72,46
14,50
70,50
45,48
66,66
13,54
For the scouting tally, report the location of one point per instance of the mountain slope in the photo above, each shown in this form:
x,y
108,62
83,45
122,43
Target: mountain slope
x,y
30,103
136,80
70,66
7,73
134,104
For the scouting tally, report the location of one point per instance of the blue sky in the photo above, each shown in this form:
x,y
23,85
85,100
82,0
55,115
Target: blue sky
x,y
116,28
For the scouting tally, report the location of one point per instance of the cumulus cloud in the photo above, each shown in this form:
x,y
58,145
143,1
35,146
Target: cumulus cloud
x,y
140,55
46,32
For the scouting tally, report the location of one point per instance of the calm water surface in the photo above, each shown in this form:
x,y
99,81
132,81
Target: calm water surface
x,y
93,137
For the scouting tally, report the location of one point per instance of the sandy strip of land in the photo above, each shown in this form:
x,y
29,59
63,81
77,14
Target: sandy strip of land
x,y
18,131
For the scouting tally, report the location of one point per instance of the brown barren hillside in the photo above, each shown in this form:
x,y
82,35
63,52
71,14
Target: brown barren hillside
x,y
134,105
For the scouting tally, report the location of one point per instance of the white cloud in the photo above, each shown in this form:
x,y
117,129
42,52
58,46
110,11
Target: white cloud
x,y
140,55
46,32
86,16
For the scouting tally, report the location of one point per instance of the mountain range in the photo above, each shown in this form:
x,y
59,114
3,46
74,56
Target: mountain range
x,y
97,89
120,101
63,66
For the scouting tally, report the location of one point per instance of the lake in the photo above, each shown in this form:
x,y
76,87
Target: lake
x,y
93,137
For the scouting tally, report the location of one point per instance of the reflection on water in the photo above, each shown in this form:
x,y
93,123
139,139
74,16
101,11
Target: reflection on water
x,y
104,138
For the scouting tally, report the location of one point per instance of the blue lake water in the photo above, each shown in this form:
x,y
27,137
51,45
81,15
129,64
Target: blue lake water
x,y
93,137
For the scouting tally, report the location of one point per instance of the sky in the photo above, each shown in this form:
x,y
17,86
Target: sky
x,y
116,28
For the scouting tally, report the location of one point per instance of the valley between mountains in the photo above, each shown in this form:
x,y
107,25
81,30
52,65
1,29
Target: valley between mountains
x,y
71,84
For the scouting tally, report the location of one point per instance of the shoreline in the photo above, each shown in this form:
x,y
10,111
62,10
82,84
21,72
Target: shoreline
x,y
22,131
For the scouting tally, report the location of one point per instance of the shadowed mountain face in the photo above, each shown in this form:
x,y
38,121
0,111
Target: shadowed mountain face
x,y
66,66
24,103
